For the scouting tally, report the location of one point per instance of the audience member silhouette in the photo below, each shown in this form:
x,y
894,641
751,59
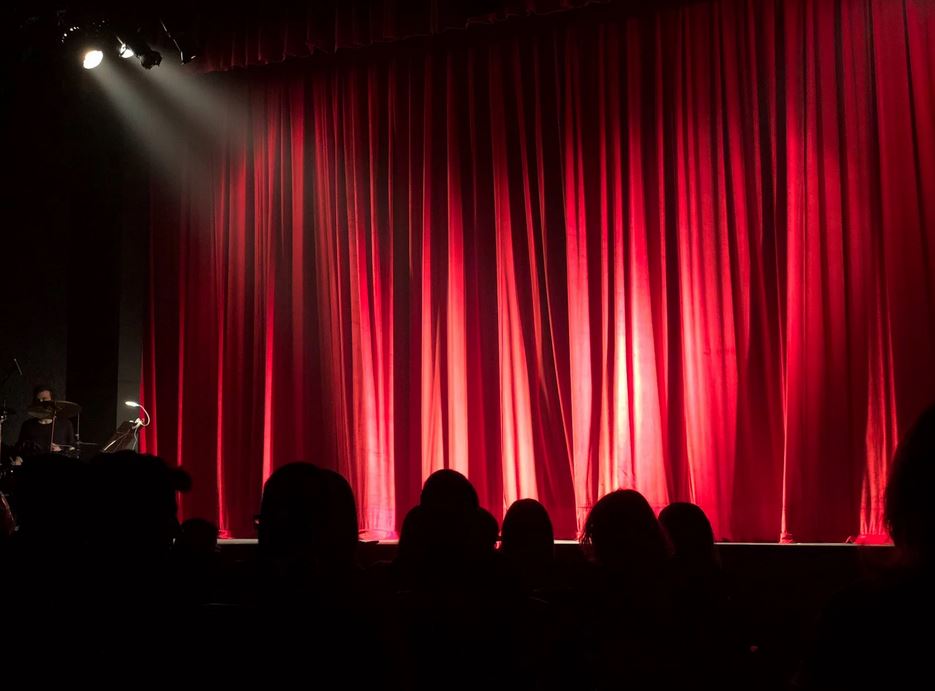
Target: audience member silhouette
x,y
314,619
197,537
307,533
46,554
448,490
690,534
877,634
696,567
105,601
133,509
126,578
195,562
631,611
102,529
626,537
454,610
48,495
443,538
528,543
488,532
707,634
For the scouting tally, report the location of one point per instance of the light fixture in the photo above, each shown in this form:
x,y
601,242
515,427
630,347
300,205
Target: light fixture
x,y
134,45
86,42
138,421
90,39
92,59
150,59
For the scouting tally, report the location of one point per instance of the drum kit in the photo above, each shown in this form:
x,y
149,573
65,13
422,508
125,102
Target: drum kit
x,y
125,437
54,412
57,410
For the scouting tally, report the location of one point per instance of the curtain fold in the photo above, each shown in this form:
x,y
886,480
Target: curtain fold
x,y
690,252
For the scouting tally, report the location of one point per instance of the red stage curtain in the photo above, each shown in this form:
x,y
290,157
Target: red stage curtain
x,y
690,252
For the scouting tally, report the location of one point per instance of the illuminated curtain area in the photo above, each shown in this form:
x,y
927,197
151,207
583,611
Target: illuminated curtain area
x,y
691,252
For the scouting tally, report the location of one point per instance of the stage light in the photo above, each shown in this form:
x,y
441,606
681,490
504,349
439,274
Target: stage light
x,y
86,42
150,59
92,59
121,34
135,45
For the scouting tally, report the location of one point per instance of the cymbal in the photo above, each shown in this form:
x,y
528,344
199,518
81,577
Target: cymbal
x,y
40,411
46,410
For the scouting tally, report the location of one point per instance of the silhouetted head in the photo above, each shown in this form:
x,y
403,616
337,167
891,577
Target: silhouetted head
x,y
341,528
197,537
411,536
689,531
308,511
414,538
488,531
445,532
133,503
448,490
624,532
527,532
910,492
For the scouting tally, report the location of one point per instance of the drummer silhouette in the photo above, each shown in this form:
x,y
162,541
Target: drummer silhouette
x,y
48,427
